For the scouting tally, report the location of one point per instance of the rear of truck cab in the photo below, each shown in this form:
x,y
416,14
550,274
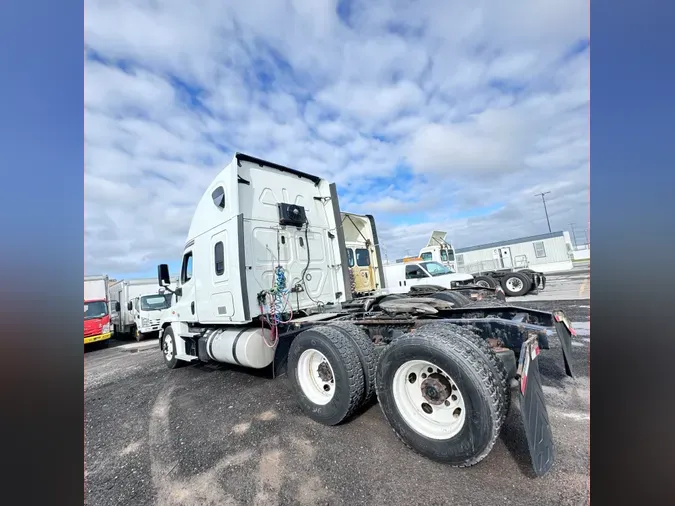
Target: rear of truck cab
x,y
248,223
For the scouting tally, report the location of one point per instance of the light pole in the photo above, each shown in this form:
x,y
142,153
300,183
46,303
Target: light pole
x,y
543,199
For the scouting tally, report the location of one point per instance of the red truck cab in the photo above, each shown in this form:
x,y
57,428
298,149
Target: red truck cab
x,y
96,321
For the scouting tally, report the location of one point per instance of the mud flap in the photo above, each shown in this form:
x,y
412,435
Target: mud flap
x,y
533,409
564,329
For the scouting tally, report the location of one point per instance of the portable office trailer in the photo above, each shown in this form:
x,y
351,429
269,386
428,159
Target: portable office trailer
x,y
543,253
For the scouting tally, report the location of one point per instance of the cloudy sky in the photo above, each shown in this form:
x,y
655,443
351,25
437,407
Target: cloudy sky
x,y
445,114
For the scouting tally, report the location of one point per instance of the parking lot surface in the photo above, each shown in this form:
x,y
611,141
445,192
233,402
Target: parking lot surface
x,y
225,435
568,285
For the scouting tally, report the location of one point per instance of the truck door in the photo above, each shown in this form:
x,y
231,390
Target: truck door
x,y
415,275
186,309
364,278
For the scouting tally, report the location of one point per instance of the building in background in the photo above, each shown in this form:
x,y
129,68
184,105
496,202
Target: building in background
x,y
543,253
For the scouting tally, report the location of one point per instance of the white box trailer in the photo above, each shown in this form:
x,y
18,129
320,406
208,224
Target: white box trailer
x,y
264,282
136,307
96,288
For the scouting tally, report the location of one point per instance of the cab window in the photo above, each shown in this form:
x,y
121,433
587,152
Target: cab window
x,y
426,256
362,257
186,270
414,272
444,255
350,257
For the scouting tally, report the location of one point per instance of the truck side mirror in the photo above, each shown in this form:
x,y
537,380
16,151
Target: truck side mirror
x,y
163,277
129,306
117,306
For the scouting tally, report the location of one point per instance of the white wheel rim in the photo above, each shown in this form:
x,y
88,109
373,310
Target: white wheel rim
x,y
168,348
482,283
316,377
438,415
514,284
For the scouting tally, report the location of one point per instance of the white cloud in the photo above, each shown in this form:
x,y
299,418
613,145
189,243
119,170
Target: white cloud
x,y
434,114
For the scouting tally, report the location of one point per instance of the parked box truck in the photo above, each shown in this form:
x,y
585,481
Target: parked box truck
x,y
96,310
136,307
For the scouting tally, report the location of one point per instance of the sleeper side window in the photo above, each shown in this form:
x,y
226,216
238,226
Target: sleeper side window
x,y
218,196
350,257
219,255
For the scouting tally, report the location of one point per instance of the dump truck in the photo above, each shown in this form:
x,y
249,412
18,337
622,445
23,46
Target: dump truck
x,y
264,283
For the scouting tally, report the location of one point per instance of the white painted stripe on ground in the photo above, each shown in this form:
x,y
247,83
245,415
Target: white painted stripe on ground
x,y
582,328
578,416
139,346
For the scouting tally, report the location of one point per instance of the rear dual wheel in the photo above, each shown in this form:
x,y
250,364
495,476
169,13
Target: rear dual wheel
x,y
326,374
485,281
516,284
440,396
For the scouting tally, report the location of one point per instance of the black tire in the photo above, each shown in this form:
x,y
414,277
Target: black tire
x,y
348,374
489,280
452,331
478,386
525,284
365,349
173,362
458,299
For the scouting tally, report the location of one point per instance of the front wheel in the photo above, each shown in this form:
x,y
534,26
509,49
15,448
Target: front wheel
x,y
440,397
169,349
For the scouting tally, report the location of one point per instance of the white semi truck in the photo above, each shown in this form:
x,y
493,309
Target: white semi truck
x,y
514,281
439,250
264,283
364,259
137,305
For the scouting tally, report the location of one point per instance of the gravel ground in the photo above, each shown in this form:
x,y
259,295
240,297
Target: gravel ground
x,y
205,434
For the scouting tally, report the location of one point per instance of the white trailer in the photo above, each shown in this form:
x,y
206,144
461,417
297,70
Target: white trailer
x,y
136,307
264,282
96,288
